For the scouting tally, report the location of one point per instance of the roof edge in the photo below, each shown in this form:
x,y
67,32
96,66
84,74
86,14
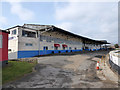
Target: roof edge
x,y
5,31
13,27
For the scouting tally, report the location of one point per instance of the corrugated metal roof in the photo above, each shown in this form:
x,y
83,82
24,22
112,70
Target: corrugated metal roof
x,y
64,31
37,26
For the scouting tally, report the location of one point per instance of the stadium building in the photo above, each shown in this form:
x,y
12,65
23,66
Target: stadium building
x,y
32,40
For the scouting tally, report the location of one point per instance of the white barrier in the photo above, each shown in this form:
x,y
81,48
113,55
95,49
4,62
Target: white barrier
x,y
115,57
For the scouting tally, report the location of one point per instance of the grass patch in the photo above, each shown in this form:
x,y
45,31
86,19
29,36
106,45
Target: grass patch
x,y
16,69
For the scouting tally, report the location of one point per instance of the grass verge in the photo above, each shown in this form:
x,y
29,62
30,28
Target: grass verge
x,y
16,69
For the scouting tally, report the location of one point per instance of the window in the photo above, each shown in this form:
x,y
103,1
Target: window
x,y
70,48
63,48
75,48
45,48
28,34
28,44
56,48
86,47
14,32
1,37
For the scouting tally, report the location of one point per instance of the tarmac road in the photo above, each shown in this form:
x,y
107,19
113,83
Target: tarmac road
x,y
65,71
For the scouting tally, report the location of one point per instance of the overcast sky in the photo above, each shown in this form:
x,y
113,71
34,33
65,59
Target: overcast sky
x,y
96,20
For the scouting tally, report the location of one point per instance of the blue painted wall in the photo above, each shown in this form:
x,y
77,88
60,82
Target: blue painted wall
x,y
27,54
94,49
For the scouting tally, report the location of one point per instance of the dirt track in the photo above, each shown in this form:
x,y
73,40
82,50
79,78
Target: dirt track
x,y
65,71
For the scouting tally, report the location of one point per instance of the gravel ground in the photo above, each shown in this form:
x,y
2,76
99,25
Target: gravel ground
x,y
65,71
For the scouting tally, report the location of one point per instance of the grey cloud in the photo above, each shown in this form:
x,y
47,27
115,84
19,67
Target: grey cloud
x,y
94,20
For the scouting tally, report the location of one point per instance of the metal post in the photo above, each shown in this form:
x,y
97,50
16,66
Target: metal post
x,y
38,43
104,60
100,46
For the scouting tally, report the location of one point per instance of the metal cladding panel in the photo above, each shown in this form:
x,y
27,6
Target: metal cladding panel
x,y
4,49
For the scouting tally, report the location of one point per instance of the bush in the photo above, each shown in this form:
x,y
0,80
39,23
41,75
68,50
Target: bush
x,y
116,46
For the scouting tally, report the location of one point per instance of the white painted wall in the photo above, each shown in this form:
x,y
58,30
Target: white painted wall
x,y
114,57
12,55
13,44
49,44
54,40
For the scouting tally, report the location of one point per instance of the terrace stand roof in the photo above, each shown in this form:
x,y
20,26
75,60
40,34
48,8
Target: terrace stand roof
x,y
21,27
75,35
13,27
37,26
52,27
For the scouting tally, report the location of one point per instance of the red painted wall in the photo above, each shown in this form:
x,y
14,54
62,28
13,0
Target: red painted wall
x,y
4,49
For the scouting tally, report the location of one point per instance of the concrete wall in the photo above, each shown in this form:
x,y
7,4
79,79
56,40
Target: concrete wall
x,y
22,41
26,40
61,35
114,60
114,57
